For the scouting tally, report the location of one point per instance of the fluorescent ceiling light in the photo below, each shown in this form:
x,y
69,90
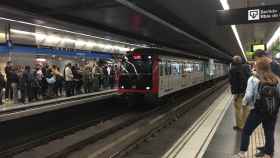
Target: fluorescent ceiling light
x,y
274,38
53,39
41,59
234,29
90,44
225,4
22,32
80,43
67,31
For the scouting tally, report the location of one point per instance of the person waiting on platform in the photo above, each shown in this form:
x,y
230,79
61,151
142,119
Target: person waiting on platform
x,y
68,77
263,97
238,77
8,71
26,90
2,86
275,67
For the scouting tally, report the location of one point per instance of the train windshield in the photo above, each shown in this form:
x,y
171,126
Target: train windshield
x,y
138,65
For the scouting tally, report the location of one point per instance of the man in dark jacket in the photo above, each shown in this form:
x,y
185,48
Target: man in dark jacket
x,y
2,86
238,77
8,72
26,80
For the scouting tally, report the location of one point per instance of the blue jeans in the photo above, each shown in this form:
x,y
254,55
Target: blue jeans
x,y
254,119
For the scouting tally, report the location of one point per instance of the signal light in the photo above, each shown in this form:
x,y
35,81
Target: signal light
x,y
136,56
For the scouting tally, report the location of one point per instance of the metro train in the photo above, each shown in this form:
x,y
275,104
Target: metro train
x,y
153,73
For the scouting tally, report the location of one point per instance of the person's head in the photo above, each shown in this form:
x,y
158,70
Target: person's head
x,y
237,60
268,54
27,68
259,54
263,68
9,63
54,67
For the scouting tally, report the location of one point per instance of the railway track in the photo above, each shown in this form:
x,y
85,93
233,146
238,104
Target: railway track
x,y
24,134
64,142
121,142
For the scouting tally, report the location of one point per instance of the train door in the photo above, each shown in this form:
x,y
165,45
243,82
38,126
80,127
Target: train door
x,y
162,77
185,74
206,71
189,70
201,71
169,77
174,75
165,79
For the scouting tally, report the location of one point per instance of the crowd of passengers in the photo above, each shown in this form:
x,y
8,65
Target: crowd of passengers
x,y
256,91
24,84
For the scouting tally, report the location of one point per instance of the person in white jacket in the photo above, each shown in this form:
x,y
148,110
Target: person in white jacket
x,y
256,117
68,77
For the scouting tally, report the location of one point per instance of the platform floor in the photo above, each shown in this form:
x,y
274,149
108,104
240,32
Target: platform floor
x,y
226,141
15,111
212,135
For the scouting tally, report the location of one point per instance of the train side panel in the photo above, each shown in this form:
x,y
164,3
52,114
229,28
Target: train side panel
x,y
176,74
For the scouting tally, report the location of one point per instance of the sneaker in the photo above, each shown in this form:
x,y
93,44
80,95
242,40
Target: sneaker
x,y
261,148
238,156
260,154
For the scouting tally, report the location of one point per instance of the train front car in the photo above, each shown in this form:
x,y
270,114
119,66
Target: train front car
x,y
139,77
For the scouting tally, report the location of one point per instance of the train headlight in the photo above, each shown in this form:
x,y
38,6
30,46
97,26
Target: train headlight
x,y
148,88
122,87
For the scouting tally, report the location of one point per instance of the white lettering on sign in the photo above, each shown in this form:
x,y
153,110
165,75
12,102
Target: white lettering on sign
x,y
254,14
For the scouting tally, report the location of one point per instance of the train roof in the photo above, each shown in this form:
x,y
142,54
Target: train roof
x,y
171,52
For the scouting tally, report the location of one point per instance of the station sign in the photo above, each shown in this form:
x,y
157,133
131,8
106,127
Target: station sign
x,y
256,47
248,15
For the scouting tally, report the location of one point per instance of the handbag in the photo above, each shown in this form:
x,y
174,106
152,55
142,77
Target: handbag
x,y
51,80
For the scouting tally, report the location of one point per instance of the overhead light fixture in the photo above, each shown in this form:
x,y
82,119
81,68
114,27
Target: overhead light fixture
x,y
41,59
274,38
68,40
225,4
234,29
68,31
40,37
22,32
54,39
90,44
80,43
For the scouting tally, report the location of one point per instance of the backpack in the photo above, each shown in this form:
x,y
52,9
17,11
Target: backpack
x,y
268,102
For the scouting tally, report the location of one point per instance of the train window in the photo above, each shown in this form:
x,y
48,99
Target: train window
x,y
161,68
185,68
200,67
169,68
195,67
175,68
138,65
166,68
189,67
181,68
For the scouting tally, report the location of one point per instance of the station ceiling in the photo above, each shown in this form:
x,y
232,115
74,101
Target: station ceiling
x,y
182,24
